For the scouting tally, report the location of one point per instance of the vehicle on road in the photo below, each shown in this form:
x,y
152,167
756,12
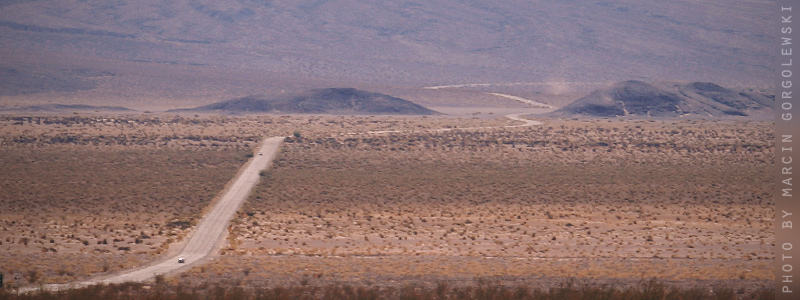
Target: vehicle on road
x,y
181,260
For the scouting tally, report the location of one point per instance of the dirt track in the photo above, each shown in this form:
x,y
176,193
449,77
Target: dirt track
x,y
211,232
212,229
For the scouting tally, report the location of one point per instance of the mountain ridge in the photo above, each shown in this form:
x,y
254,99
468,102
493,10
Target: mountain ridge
x,y
62,108
414,42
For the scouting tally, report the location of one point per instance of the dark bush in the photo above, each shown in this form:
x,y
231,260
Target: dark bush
x,y
569,290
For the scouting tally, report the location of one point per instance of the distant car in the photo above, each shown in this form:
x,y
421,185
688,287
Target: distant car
x,y
181,260
260,153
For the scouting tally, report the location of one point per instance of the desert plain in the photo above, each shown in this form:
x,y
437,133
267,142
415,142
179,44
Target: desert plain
x,y
601,201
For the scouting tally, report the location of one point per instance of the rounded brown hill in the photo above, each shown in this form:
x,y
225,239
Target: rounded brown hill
x,y
344,101
641,99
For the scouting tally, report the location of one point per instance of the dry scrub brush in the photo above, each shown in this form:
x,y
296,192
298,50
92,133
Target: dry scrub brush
x,y
606,190
68,211
645,290
205,131
102,201
90,194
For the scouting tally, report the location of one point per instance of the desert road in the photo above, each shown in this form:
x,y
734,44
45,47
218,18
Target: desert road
x,y
209,235
211,231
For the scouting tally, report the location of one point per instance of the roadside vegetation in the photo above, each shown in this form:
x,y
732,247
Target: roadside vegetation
x,y
568,290
607,202
84,196
679,201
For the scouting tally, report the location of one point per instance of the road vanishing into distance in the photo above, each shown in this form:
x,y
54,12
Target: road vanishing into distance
x,y
211,231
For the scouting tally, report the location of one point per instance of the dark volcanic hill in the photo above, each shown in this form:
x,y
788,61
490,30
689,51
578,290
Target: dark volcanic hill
x,y
345,101
640,99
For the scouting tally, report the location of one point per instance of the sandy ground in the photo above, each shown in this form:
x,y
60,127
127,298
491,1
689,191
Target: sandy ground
x,y
209,235
599,200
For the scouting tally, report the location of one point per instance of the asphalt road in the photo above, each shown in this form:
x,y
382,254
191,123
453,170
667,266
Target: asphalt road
x,y
211,231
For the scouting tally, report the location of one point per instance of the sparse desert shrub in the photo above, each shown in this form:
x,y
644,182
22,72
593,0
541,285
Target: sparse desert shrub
x,y
120,189
515,193
32,276
649,290
365,194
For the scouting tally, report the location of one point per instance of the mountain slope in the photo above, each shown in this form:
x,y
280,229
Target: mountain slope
x,y
328,101
640,99
65,108
17,81
413,42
